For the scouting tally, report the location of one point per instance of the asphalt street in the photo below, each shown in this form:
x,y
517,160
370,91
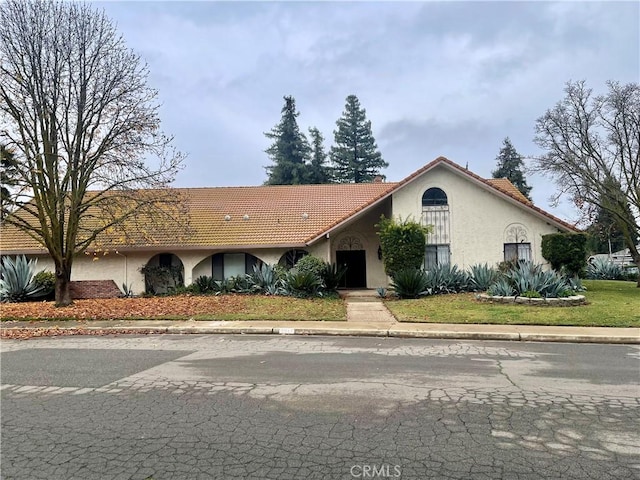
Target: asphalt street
x,y
285,407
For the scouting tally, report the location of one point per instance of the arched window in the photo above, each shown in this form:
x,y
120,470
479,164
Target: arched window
x,y
434,197
291,257
162,273
435,212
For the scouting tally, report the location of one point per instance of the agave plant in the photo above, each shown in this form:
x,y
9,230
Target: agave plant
x,y
575,284
265,279
481,277
16,279
501,288
302,283
204,284
447,279
237,284
604,269
525,277
411,283
331,275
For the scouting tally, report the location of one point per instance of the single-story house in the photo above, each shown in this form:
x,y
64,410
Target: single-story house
x,y
475,220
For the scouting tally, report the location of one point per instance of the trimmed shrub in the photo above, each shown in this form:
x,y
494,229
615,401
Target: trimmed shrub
x,y
566,250
310,263
402,243
46,280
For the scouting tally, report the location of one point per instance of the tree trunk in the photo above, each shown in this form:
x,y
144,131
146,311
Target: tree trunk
x,y
63,279
635,256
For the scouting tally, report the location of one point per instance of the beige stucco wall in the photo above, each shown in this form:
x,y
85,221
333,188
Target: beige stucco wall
x,y
125,268
479,218
117,267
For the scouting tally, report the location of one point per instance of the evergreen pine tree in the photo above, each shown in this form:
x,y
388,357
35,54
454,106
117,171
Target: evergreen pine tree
x,y
604,235
290,149
355,156
510,166
8,175
318,171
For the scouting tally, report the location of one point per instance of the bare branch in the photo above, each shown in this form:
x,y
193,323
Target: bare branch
x,y
592,149
76,108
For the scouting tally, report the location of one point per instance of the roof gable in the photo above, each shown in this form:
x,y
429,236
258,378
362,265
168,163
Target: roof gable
x,y
501,187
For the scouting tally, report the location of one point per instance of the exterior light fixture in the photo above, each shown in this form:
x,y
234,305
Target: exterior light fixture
x,y
305,216
245,217
227,218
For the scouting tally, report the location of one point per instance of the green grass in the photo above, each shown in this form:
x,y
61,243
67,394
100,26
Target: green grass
x,y
610,304
284,309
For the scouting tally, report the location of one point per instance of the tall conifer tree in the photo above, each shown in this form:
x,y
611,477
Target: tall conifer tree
x,y
290,149
355,156
510,166
8,174
318,171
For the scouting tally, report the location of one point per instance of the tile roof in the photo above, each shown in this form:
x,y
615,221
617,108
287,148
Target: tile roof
x,y
505,185
245,216
228,217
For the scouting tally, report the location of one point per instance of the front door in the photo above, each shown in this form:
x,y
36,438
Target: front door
x,y
356,263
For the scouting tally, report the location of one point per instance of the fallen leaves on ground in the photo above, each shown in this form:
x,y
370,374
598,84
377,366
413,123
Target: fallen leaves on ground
x,y
27,333
179,306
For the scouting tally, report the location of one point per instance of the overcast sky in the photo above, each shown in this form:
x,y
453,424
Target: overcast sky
x,y
436,78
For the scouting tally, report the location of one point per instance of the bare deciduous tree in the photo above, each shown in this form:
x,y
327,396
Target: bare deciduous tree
x,y
592,148
83,125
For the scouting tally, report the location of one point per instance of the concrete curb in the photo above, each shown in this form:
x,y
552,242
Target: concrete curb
x,y
363,332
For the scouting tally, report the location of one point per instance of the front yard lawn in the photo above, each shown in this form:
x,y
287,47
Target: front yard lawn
x,y
182,307
610,304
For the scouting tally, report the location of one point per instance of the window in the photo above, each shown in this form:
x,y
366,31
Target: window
x,y
435,212
517,251
226,265
434,197
165,259
291,257
436,255
234,265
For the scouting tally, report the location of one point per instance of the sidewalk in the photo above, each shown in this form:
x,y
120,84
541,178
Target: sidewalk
x,y
366,316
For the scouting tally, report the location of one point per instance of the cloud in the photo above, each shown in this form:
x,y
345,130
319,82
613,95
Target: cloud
x,y
436,78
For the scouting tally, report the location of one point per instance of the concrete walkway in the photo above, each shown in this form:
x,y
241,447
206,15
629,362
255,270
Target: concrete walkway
x,y
366,316
364,306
